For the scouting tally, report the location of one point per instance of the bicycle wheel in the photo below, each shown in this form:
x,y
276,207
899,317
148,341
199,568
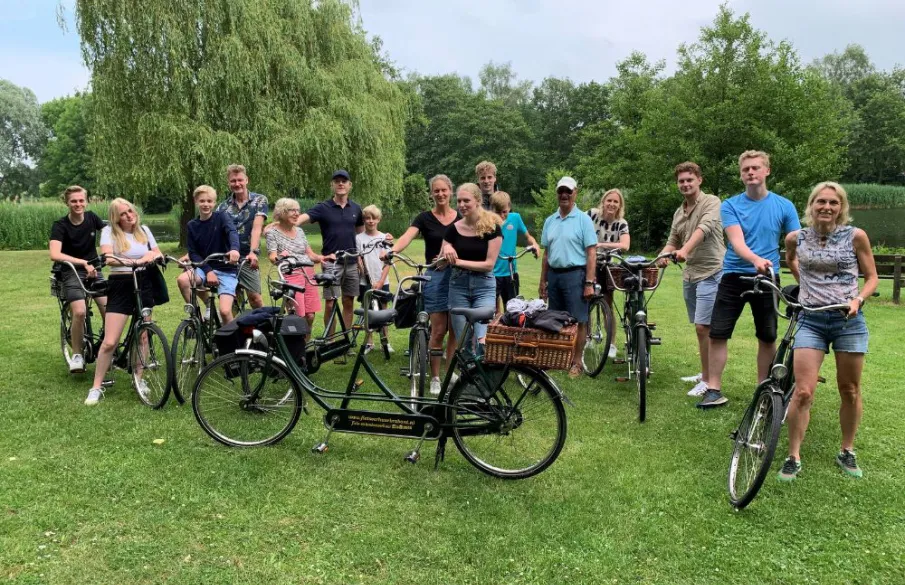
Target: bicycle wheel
x,y
597,347
641,367
242,400
188,359
755,445
151,366
418,370
507,430
65,333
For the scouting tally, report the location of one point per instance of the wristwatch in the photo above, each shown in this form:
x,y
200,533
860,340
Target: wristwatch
x,y
589,283
860,301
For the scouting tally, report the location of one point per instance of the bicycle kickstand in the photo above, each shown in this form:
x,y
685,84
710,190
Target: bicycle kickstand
x,y
323,447
415,454
441,452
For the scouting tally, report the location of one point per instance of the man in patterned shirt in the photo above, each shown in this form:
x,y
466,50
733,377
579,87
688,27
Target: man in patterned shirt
x,y
248,212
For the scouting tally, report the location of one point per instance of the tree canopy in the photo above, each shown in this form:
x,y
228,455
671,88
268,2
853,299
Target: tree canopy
x,y
22,137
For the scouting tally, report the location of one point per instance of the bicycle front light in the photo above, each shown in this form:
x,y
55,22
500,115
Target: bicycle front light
x,y
423,318
189,308
779,372
145,313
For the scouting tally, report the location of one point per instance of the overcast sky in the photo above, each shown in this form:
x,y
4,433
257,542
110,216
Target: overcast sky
x,y
579,39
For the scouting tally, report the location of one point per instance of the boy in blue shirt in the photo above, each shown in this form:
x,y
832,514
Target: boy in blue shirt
x,y
512,228
212,233
754,222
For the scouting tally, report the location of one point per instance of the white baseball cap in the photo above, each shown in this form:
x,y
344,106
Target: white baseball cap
x,y
567,182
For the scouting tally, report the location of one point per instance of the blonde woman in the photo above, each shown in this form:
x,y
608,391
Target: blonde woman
x,y
612,234
471,246
826,258
287,239
135,245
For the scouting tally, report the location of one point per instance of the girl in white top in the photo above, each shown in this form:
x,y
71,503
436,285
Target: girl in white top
x,y
135,245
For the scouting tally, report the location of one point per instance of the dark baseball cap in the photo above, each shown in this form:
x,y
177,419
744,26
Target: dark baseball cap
x,y
341,173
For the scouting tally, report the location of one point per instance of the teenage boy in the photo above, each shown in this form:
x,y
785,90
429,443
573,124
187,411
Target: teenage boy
x,y
248,211
212,233
340,220
696,237
512,228
754,221
72,239
486,173
374,272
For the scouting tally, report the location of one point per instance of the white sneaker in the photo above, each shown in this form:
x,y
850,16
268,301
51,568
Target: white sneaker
x,y
368,348
94,396
696,378
390,349
77,364
612,354
699,389
143,389
207,314
435,387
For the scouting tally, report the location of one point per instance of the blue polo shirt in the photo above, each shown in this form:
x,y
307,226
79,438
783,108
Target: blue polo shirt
x,y
566,239
337,224
763,222
512,228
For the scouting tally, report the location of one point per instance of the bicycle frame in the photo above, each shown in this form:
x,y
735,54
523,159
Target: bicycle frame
x,y
91,343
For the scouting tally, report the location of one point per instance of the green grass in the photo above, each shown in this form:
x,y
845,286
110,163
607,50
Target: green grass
x,y
877,196
87,497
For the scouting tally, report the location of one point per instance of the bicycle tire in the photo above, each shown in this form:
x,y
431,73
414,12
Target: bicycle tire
x,y
508,431
418,366
222,406
641,367
66,333
153,367
188,358
597,347
754,447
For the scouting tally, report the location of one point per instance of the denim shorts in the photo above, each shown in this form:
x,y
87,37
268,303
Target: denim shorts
x,y
699,298
436,291
228,281
821,330
471,290
565,292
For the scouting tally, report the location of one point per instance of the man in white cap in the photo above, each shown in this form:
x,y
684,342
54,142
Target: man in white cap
x,y
570,261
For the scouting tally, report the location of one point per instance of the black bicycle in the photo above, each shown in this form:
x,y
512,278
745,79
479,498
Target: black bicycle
x,y
254,397
194,337
144,353
92,336
635,276
754,441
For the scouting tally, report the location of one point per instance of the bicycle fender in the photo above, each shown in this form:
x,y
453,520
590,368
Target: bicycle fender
x,y
261,354
559,392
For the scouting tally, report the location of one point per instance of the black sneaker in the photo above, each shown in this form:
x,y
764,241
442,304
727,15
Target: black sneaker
x,y
712,398
790,470
849,464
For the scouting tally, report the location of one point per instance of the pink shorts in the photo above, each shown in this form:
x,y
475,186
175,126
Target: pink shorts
x,y
310,302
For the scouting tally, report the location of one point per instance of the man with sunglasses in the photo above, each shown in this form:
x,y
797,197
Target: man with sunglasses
x,y
570,260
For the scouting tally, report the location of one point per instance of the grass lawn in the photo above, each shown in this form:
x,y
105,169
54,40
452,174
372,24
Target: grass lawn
x,y
87,497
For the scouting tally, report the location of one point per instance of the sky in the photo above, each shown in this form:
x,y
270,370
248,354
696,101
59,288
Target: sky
x,y
579,39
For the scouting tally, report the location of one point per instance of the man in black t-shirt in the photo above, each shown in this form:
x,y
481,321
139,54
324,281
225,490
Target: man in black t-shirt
x,y
72,239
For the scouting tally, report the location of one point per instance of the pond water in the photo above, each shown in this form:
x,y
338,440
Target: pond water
x,y
883,226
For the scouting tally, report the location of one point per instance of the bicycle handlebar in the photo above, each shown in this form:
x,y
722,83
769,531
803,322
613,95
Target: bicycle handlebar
x,y
637,265
79,278
531,249
762,280
391,256
189,264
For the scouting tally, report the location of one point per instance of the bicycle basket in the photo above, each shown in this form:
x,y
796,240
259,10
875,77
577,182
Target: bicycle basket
x,y
56,287
618,275
406,308
534,347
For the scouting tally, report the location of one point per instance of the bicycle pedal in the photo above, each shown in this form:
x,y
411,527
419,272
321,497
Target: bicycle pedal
x,y
619,361
413,457
107,383
622,379
651,326
340,361
655,341
404,372
320,448
358,384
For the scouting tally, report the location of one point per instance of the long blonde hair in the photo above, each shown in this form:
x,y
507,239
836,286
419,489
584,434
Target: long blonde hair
x,y
620,213
120,241
487,222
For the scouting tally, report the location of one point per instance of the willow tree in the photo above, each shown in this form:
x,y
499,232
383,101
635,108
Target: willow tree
x,y
290,88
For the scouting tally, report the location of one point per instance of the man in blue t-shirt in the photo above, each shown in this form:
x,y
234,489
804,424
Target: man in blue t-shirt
x,y
755,222
512,228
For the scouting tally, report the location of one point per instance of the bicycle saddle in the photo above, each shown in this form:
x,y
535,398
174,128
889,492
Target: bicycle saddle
x,y
481,315
378,319
325,279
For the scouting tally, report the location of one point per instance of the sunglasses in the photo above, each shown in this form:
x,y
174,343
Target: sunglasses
x,y
565,190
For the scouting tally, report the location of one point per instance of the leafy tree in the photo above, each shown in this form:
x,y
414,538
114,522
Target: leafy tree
x,y
559,112
545,197
733,90
22,137
846,69
66,159
500,83
290,88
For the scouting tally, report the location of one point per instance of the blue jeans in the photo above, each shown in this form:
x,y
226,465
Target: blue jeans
x,y
471,290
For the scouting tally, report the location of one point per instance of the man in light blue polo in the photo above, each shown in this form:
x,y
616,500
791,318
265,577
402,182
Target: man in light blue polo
x,y
570,260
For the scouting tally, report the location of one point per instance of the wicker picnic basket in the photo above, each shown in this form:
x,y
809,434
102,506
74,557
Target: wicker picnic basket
x,y
533,347
618,274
